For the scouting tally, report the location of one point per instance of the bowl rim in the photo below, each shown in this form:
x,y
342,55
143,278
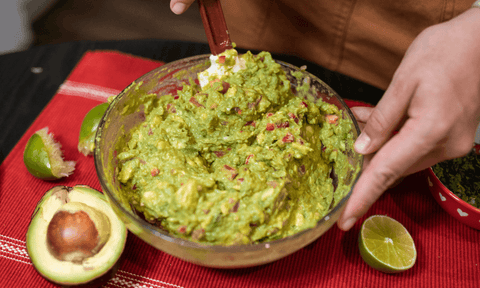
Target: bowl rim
x,y
165,235
451,194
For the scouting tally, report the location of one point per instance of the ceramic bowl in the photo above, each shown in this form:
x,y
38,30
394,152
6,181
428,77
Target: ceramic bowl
x,y
451,203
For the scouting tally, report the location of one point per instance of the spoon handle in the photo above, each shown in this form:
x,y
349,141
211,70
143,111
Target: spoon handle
x,y
215,26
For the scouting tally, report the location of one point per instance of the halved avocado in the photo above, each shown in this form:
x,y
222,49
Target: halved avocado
x,y
75,238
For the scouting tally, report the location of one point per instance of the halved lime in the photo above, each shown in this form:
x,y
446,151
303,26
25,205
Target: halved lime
x,y
386,245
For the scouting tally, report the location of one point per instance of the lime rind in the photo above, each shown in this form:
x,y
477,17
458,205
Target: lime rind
x,y
43,157
86,138
36,158
386,245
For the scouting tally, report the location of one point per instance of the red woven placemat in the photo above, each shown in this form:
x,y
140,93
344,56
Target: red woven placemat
x,y
448,252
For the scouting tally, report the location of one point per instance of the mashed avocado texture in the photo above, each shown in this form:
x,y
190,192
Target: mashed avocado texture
x,y
236,158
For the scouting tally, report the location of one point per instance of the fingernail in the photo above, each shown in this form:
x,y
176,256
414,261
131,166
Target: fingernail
x,y
348,224
362,143
179,8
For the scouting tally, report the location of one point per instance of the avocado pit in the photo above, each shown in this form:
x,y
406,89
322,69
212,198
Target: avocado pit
x,y
76,232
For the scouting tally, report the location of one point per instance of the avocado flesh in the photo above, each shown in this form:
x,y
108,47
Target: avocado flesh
x,y
64,272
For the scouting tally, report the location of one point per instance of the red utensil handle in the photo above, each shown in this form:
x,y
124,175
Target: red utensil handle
x,y
215,26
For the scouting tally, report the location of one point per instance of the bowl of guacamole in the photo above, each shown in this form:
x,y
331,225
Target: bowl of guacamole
x,y
228,161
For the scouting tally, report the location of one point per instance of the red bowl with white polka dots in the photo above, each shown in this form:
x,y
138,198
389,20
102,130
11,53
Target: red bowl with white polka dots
x,y
456,207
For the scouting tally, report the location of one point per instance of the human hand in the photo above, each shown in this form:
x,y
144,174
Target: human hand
x,y
433,102
180,6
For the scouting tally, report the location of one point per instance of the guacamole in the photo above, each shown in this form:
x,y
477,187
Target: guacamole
x,y
236,157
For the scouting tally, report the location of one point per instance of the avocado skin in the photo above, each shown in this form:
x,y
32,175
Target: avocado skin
x,y
95,283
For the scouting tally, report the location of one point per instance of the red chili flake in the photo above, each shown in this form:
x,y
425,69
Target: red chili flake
x,y
142,116
221,59
182,229
214,105
229,149
332,119
269,114
240,180
270,127
304,104
154,172
150,132
134,187
300,141
171,108
224,123
232,171
229,168
219,154
293,116
250,123
301,170
225,87
235,207
289,138
176,97
238,110
194,101
248,157
283,125
258,100
274,184
254,104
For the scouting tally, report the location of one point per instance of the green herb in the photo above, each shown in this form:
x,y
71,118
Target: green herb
x,y
462,177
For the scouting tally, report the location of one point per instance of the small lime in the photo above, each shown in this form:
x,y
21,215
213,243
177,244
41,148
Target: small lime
x,y
386,245
43,157
86,139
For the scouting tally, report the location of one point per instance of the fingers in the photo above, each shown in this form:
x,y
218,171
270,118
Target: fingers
x,y
385,117
362,113
391,162
180,6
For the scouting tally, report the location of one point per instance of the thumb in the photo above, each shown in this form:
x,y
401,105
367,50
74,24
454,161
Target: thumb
x,y
180,6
